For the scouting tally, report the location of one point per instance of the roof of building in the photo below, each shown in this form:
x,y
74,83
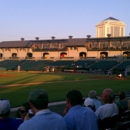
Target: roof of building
x,y
26,43
76,42
68,42
12,44
111,18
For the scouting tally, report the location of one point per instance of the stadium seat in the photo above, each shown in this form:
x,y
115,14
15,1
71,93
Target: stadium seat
x,y
124,126
125,116
108,123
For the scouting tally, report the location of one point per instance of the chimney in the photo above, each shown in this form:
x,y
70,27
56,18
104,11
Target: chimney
x,y
53,37
37,38
88,36
70,37
22,39
109,35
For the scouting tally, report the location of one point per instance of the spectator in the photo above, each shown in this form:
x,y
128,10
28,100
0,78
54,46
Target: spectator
x,y
109,108
89,103
77,116
43,118
23,110
6,122
18,116
123,102
93,95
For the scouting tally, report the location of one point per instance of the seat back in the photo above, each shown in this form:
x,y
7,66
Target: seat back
x,y
124,126
125,116
109,122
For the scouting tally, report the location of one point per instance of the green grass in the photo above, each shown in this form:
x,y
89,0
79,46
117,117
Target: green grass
x,y
56,84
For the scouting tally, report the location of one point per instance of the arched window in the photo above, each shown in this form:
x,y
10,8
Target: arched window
x,y
63,54
103,55
14,54
126,54
29,54
1,55
82,54
45,55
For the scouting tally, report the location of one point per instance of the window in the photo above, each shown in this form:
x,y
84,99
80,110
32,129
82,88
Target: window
x,y
116,31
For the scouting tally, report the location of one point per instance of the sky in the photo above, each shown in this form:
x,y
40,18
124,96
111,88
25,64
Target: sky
x,y
59,18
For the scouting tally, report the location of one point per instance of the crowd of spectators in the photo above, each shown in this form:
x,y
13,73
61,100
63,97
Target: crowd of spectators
x,y
79,114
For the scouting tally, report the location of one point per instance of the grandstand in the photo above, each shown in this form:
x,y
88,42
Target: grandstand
x,y
86,66
104,64
61,54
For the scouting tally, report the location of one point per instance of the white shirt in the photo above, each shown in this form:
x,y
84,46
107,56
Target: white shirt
x,y
107,110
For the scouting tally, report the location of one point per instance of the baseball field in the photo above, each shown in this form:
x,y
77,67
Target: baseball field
x,y
16,86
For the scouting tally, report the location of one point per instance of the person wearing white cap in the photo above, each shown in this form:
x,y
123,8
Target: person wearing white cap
x,y
93,95
89,103
6,122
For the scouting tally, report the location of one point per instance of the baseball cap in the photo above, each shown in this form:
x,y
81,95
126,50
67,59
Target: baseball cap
x,y
4,106
38,96
88,102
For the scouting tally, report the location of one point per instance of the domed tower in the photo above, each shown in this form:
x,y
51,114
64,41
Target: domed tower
x,y
111,26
